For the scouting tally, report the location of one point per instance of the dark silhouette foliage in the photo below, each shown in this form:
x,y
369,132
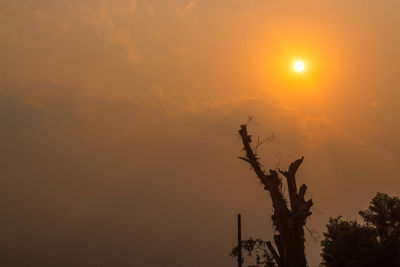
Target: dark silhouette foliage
x,y
348,243
374,243
258,249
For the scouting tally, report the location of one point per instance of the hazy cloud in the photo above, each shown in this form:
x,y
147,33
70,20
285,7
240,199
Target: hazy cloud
x,y
187,8
119,119
102,14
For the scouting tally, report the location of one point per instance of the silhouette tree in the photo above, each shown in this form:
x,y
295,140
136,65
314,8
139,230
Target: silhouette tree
x,y
347,243
289,221
376,243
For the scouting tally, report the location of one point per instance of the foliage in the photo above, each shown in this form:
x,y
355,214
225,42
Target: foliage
x,y
383,214
374,243
256,248
348,243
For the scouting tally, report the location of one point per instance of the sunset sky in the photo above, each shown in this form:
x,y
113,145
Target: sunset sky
x,y
119,120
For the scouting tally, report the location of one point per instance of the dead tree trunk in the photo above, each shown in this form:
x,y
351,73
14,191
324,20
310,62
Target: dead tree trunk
x,y
289,222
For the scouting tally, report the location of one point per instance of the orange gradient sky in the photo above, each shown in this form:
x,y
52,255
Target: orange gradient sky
x,y
119,119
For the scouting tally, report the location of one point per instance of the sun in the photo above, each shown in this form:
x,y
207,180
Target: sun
x,y
298,66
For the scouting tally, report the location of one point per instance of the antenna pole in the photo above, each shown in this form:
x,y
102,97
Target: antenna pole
x,y
239,240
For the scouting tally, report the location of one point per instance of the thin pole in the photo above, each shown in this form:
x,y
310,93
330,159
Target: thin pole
x,y
239,240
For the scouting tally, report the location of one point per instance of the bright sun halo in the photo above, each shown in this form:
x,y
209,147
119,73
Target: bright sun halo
x,y
298,66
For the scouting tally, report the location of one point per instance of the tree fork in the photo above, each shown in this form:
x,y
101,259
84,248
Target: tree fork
x,y
288,222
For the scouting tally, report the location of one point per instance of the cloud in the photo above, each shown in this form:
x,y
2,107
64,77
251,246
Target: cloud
x,y
32,101
122,6
374,104
150,9
14,114
39,16
65,27
102,14
123,116
95,157
183,10
180,51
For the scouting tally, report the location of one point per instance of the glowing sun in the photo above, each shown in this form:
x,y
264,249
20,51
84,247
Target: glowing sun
x,y
298,66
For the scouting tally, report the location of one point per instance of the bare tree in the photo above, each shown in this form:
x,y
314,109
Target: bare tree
x,y
288,220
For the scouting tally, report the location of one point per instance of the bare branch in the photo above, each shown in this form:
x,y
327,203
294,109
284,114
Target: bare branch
x,y
274,253
302,192
251,156
245,159
295,165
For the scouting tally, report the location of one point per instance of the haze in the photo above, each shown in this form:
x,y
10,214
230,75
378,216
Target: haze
x,y
119,119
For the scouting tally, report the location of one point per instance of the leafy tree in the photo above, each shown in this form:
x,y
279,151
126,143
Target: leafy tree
x,y
383,215
348,243
374,243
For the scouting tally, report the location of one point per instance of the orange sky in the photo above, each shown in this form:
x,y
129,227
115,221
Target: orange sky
x,y
119,119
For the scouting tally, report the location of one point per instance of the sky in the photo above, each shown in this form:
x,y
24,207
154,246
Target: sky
x,y
119,120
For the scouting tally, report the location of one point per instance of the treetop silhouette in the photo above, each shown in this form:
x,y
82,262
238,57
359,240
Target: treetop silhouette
x,y
288,220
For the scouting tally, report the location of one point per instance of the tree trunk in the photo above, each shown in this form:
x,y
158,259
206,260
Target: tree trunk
x,y
289,222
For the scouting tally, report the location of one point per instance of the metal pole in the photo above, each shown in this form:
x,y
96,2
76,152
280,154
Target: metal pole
x,y
239,240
